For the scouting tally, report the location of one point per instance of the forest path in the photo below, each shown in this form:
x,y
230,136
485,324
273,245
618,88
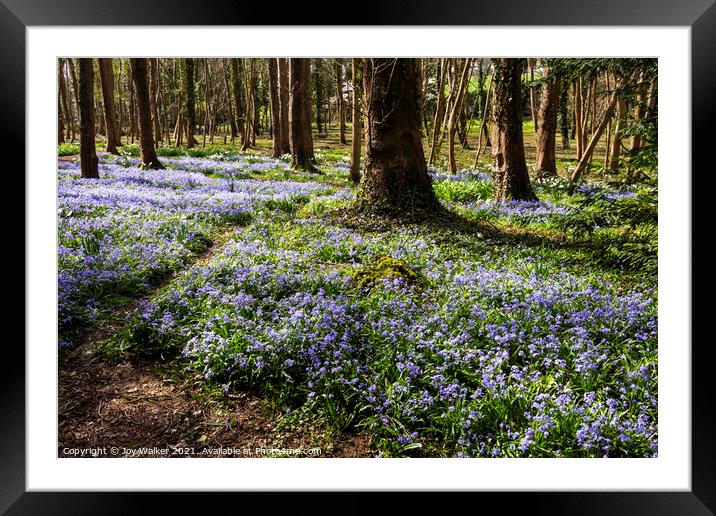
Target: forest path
x,y
155,408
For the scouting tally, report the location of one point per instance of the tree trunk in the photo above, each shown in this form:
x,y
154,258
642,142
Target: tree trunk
x,y
106,74
153,95
546,161
148,153
238,99
356,134
439,109
578,121
396,178
301,137
564,114
230,104
483,123
617,140
283,94
88,155
61,117
341,104
533,108
639,110
319,96
275,107
190,102
510,176
454,113
586,156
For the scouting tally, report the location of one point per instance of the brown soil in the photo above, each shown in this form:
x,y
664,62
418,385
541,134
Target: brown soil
x,y
155,408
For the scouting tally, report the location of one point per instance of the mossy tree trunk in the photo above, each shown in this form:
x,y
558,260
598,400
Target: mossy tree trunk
x,y
88,153
511,179
396,178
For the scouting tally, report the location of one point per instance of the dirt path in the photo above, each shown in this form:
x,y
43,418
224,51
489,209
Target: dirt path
x,y
157,409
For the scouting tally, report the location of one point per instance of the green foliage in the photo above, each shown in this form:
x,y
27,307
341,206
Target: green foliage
x,y
68,149
621,231
463,191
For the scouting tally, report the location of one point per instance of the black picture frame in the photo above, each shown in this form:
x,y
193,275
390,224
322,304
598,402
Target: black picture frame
x,y
699,15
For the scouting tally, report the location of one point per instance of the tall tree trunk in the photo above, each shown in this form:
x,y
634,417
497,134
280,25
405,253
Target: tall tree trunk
x,y
230,103
439,109
61,117
617,140
483,123
275,107
319,96
236,80
546,161
148,154
454,113
341,103
587,155
511,179
533,108
564,114
639,110
207,104
283,95
396,177
153,96
578,122
301,137
88,155
106,74
356,133
190,102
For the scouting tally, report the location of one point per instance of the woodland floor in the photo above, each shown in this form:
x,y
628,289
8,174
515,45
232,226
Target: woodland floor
x,y
142,408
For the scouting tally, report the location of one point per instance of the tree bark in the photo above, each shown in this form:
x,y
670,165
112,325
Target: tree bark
x,y
564,114
617,140
546,161
238,99
153,95
510,176
60,116
587,155
396,178
190,102
106,74
283,94
275,107
88,155
439,109
301,137
356,133
148,154
341,103
454,113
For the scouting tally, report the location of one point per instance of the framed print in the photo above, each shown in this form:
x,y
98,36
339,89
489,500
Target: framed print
x,y
42,45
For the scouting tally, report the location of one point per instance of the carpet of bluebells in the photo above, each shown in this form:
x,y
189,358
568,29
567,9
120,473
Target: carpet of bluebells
x,y
489,354
119,234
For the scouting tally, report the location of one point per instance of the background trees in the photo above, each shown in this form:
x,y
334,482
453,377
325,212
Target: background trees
x,y
603,112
